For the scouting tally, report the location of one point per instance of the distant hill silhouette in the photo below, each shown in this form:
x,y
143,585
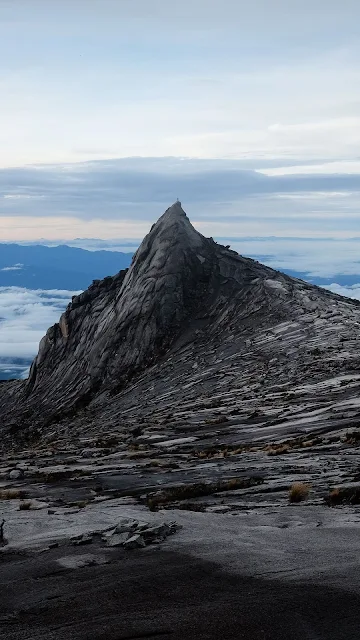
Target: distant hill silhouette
x,y
61,267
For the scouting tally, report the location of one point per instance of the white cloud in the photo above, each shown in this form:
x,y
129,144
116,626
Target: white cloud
x,y
325,168
25,315
352,291
322,258
15,267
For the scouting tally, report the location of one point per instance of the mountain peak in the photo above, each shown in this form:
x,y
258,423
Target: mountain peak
x,y
175,209
171,234
181,289
174,214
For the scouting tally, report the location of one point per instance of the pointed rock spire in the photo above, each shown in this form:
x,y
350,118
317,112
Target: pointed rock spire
x,y
118,326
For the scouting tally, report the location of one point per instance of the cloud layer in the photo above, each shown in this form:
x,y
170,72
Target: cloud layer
x,y
25,315
352,291
122,198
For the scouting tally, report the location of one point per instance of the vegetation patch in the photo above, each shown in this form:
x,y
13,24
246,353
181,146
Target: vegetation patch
x,y
55,476
107,443
180,493
353,437
12,494
343,495
25,505
277,449
220,419
298,492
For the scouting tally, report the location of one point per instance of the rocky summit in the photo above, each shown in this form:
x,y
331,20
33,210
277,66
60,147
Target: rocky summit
x,y
203,389
188,321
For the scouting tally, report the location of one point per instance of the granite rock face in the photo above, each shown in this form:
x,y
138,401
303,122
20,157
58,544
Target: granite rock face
x,y
183,293
119,325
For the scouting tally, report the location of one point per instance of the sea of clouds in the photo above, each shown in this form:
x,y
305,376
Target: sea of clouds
x,y
25,315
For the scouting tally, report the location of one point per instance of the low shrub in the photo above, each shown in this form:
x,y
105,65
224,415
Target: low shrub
x,y
298,492
353,437
25,505
197,490
343,495
11,494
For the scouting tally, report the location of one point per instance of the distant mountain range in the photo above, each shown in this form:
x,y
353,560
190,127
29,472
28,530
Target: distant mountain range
x,y
39,266
61,267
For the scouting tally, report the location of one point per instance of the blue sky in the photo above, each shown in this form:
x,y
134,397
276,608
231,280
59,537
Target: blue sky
x,y
111,109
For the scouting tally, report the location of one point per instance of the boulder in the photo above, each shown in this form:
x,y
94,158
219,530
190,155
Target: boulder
x,y
126,524
16,474
117,539
134,542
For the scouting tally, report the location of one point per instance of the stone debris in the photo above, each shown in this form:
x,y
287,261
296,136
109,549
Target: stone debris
x,y
134,542
16,474
85,538
117,539
131,534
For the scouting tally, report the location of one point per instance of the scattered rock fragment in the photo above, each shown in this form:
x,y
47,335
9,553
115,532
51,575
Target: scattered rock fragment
x,y
16,474
132,534
85,538
127,524
117,539
134,542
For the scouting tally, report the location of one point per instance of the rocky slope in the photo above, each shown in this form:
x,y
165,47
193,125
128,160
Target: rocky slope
x,y
188,321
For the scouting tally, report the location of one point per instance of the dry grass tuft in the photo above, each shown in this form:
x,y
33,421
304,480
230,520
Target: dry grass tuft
x,y
344,495
277,449
216,420
154,463
81,504
298,492
11,494
352,437
180,493
25,505
335,496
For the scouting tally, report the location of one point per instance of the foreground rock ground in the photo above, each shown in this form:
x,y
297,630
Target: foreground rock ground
x,y
146,464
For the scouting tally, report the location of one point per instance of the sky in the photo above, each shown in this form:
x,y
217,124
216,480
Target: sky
x,y
249,112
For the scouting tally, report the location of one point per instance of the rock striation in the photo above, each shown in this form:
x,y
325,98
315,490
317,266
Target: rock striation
x,y
186,314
